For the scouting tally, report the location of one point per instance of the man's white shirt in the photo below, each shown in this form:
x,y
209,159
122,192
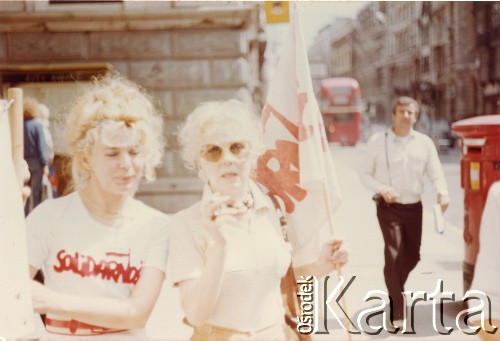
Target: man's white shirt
x,y
409,159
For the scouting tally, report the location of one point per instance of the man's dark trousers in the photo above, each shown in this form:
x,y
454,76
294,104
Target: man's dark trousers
x,y
401,226
36,172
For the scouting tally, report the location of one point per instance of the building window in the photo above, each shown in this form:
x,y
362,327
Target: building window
x,y
439,60
480,21
484,60
495,15
496,63
379,77
425,35
426,68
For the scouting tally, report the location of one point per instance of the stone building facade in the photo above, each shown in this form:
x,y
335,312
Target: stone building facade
x,y
181,52
453,46
370,53
445,54
322,56
487,16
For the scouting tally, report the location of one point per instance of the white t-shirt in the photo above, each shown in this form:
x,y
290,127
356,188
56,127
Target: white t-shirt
x,y
257,258
487,272
80,256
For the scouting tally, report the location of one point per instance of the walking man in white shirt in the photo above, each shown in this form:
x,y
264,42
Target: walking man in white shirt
x,y
394,167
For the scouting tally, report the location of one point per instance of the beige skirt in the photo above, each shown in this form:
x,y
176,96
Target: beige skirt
x,y
214,333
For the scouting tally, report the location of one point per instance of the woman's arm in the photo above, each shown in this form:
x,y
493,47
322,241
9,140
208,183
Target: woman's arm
x,y
199,296
131,313
331,255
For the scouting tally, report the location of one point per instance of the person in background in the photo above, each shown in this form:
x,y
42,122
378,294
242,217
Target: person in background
x,y
26,190
45,120
36,152
103,253
227,251
487,272
394,166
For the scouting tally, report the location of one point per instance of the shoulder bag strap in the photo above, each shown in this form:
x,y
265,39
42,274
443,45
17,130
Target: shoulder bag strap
x,y
387,160
288,283
281,216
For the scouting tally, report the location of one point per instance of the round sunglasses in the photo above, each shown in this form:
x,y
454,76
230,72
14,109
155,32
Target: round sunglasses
x,y
214,152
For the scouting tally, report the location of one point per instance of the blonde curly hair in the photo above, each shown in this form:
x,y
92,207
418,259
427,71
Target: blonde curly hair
x,y
31,108
218,117
113,99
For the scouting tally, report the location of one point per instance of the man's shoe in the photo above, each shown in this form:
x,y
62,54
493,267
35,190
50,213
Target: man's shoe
x,y
399,323
396,326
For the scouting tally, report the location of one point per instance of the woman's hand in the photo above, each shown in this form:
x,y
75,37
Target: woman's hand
x,y
41,297
215,213
332,253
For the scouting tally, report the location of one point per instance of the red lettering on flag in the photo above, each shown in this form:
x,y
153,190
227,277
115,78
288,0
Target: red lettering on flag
x,y
283,182
301,132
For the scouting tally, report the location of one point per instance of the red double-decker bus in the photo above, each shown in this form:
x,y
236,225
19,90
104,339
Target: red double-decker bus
x,y
340,103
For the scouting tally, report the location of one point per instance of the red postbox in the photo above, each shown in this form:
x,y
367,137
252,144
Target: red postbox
x,y
480,167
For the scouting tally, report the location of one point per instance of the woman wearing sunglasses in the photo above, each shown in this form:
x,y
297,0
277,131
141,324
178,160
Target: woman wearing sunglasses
x,y
103,253
227,253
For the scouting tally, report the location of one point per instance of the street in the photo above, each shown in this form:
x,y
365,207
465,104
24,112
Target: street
x,y
441,254
355,220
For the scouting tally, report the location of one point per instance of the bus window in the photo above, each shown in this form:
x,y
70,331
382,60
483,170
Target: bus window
x,y
340,91
343,118
341,100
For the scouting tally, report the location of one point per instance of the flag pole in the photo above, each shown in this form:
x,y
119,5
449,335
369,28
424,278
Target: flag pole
x,y
16,131
16,310
328,200
329,206
291,121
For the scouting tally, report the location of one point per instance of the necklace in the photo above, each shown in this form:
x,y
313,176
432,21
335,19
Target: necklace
x,y
244,205
100,214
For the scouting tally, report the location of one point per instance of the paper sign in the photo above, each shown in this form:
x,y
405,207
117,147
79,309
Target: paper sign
x,y
438,219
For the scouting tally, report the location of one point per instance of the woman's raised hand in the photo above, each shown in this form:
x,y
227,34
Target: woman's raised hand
x,y
215,213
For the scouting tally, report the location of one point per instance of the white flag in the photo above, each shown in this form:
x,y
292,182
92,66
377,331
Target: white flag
x,y
297,165
16,311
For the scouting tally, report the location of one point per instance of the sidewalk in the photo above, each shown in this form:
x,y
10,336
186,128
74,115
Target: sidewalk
x,y
441,258
356,221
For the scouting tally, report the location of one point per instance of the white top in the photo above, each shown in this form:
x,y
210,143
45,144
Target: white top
x,y
80,256
257,258
487,272
49,142
410,158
